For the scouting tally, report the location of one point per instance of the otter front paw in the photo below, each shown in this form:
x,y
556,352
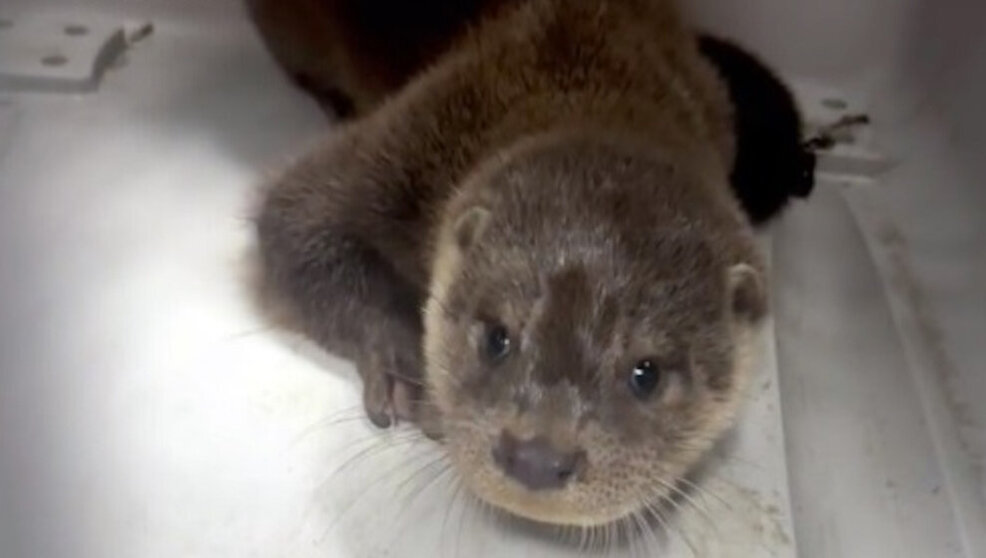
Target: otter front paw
x,y
390,367
393,390
387,394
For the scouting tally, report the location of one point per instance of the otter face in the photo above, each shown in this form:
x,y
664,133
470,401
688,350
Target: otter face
x,y
587,332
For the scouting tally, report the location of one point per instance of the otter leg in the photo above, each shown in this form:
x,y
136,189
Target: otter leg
x,y
319,231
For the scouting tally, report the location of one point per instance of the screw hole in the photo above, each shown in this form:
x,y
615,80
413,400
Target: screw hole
x,y
75,30
54,60
835,104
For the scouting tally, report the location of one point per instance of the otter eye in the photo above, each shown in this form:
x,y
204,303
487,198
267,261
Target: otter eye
x,y
497,345
645,378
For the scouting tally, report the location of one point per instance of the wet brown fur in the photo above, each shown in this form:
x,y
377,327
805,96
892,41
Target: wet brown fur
x,y
593,145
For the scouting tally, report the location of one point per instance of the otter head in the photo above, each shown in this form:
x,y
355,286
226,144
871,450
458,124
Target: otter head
x,y
587,332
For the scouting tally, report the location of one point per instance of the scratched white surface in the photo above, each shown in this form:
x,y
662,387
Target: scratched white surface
x,y
145,411
46,52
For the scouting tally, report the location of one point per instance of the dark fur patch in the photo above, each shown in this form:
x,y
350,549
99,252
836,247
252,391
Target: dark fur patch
x,y
331,99
772,166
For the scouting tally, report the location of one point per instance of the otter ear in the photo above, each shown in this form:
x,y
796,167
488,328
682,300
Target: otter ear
x,y
747,293
470,225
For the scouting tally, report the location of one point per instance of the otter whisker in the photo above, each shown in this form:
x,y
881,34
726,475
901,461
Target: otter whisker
x,y
585,532
460,422
679,531
325,424
416,382
726,458
623,537
634,533
245,334
490,513
560,534
409,500
423,401
671,486
446,468
467,511
620,537
652,513
669,528
577,537
451,487
582,531
375,447
336,413
662,498
647,530
437,459
403,463
376,439
592,544
318,427
706,491
352,503
448,510
653,540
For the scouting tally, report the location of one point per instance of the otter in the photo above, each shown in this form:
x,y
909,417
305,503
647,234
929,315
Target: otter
x,y
531,247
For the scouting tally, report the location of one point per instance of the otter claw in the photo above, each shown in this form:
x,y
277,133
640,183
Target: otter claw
x,y
376,400
387,400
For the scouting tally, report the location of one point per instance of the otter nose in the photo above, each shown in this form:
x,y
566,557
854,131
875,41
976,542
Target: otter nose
x,y
536,463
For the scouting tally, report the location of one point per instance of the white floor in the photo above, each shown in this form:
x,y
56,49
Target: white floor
x,y
146,411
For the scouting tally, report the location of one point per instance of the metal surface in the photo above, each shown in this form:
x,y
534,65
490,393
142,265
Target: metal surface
x,y
57,52
145,410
